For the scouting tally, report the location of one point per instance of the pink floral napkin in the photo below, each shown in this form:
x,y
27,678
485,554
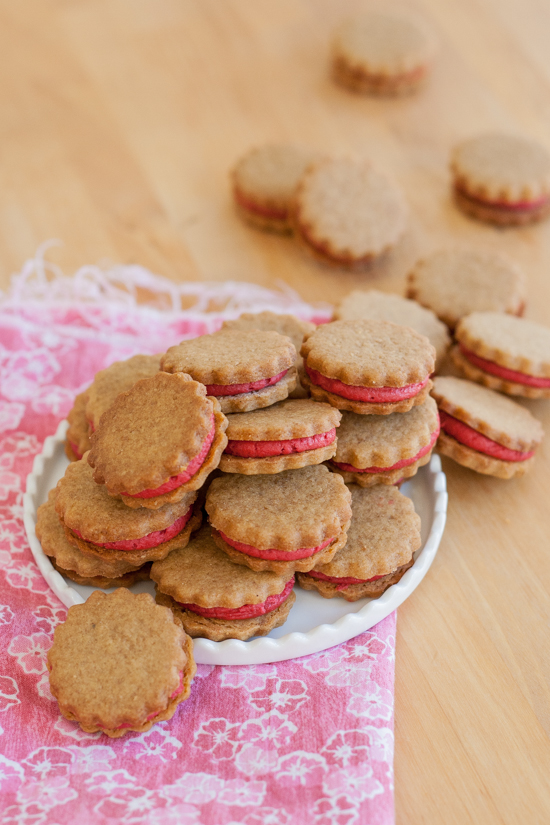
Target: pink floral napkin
x,y
303,741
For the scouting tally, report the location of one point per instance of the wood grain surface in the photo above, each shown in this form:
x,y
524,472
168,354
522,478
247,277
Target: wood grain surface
x,y
119,121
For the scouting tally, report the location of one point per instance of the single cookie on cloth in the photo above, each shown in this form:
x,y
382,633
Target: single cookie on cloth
x,y
77,440
283,522
102,526
508,354
76,565
346,213
158,441
383,52
362,305
456,282
502,179
217,599
285,436
484,430
244,370
382,538
368,367
264,181
385,449
120,663
119,377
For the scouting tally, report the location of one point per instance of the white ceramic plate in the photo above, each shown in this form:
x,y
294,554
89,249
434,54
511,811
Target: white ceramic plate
x,y
314,623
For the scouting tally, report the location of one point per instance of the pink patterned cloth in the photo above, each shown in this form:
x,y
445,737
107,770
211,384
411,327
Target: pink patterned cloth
x,y
303,741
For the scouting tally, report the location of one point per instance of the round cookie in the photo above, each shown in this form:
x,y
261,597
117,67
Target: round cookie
x,y
508,354
285,436
102,526
484,430
346,213
283,522
383,52
368,367
502,179
217,599
383,535
244,370
362,305
119,377
158,441
456,282
385,449
77,440
120,663
264,181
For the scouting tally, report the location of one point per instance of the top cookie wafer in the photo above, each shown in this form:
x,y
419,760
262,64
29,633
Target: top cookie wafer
x,y
119,377
289,325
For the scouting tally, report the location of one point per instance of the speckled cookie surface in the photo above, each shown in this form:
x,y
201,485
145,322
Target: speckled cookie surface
x,y
347,213
77,434
456,282
514,343
151,433
116,660
289,325
480,462
119,377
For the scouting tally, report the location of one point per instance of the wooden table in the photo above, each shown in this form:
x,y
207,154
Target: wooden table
x,y
119,120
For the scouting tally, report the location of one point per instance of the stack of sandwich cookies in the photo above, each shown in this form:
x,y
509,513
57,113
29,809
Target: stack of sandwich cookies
x,y
508,354
244,370
217,599
484,430
283,522
119,377
382,538
158,442
120,663
374,449
290,434
77,440
368,367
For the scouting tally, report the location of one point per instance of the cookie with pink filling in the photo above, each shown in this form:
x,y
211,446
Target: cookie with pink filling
x,y
284,522
119,377
77,440
385,449
244,370
484,430
158,441
370,367
290,434
384,534
508,354
120,663
217,599
102,526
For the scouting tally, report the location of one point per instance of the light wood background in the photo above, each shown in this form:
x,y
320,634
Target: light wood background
x,y
119,120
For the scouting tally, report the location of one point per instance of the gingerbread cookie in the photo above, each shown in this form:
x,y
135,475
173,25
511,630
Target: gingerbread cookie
x,y
77,440
119,377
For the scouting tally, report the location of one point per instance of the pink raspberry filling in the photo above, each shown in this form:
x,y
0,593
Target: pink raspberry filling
x,y
373,395
517,206
280,214
148,541
173,695
341,582
274,554
405,462
238,389
503,372
263,449
476,441
75,450
182,478
247,611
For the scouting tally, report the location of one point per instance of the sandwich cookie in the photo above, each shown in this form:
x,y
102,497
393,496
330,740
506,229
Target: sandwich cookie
x,y
119,377
77,440
362,305
385,449
368,367
484,430
158,442
285,436
508,354
283,522
383,535
217,599
346,213
244,370
456,282
502,179
120,663
264,181
72,563
102,526
383,52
